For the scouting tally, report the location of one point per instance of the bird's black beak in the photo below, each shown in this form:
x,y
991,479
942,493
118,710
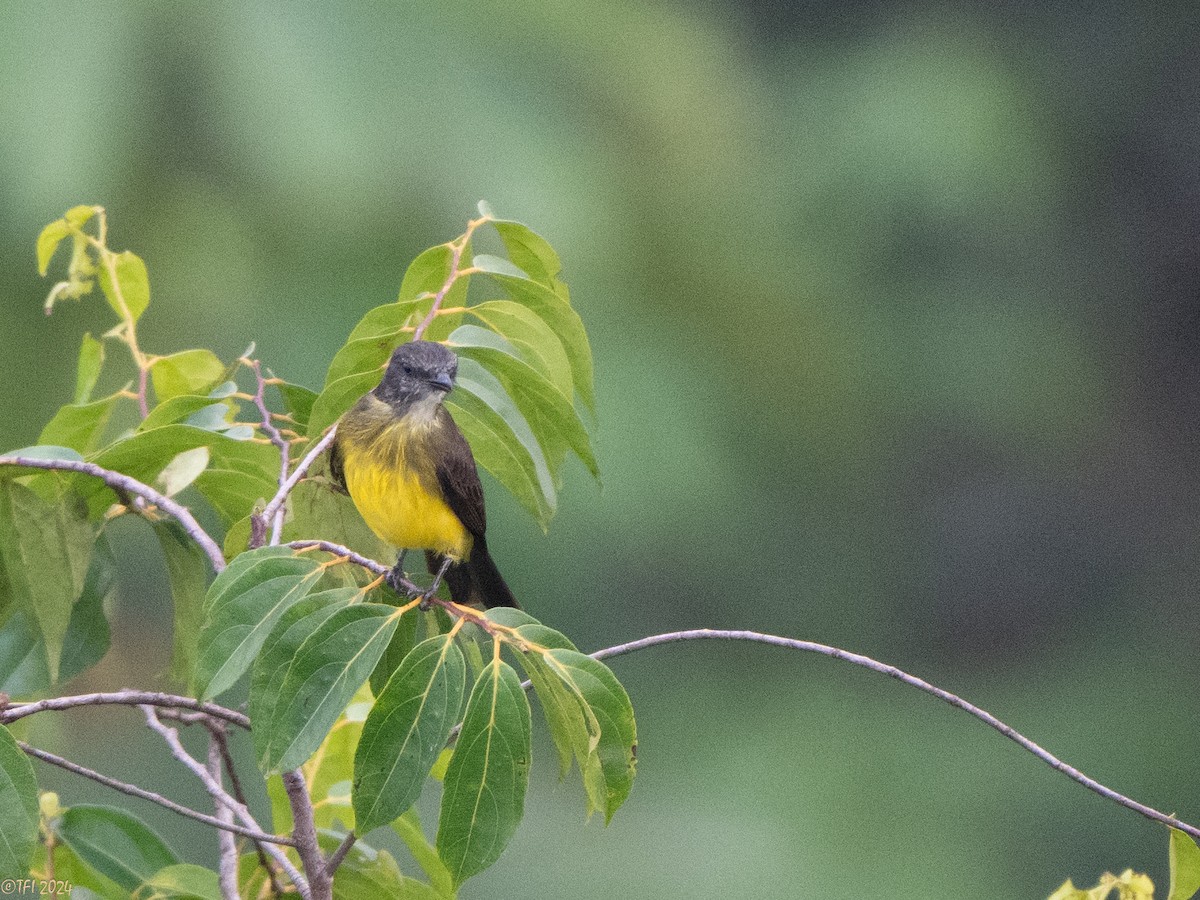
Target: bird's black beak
x,y
442,382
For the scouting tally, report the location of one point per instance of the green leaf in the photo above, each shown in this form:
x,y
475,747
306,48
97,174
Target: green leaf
x,y
48,241
115,844
1185,866
407,729
79,426
187,572
18,809
130,296
369,874
240,473
181,471
533,339
569,728
358,365
183,407
553,307
408,827
184,881
550,414
532,253
83,879
604,701
501,439
44,553
187,372
22,655
298,401
237,622
87,638
402,642
328,668
278,652
87,373
484,795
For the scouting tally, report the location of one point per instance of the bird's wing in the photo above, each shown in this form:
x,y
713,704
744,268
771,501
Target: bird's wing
x,y
459,479
337,471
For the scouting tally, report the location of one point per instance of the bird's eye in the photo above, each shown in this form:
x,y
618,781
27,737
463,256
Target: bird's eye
x,y
408,370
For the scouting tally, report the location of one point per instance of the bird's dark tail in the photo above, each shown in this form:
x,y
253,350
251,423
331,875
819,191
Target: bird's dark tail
x,y
477,580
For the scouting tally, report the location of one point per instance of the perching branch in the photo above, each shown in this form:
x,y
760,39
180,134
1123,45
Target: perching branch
x,y
12,712
131,485
134,791
913,681
217,792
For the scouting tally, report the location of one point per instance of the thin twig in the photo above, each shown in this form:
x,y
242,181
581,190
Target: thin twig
x,y
227,867
277,439
913,681
304,829
340,853
133,790
276,503
171,737
125,698
457,248
119,481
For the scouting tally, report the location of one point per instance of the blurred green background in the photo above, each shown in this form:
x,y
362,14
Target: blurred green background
x,y
894,312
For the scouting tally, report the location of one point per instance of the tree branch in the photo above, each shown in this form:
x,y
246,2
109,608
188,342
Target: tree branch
x,y
278,440
912,681
227,869
131,485
134,791
217,792
16,711
305,831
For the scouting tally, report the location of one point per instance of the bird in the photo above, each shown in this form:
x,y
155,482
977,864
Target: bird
x,y
412,476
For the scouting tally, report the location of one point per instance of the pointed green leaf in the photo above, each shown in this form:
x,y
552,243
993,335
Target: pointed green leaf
x,y
239,473
408,827
23,669
532,338
18,809
87,373
501,439
44,553
187,372
236,625
484,795
602,696
115,844
402,642
553,307
48,241
68,867
298,401
549,413
87,637
130,296
187,572
279,650
406,731
328,668
1185,866
531,252
79,426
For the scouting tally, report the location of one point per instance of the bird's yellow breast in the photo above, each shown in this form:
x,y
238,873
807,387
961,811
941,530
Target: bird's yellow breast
x,y
405,510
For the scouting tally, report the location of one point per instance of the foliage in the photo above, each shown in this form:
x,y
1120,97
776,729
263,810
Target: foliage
x,y
349,684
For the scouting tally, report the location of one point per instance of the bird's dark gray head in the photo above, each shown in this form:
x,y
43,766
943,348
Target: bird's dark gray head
x,y
418,370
